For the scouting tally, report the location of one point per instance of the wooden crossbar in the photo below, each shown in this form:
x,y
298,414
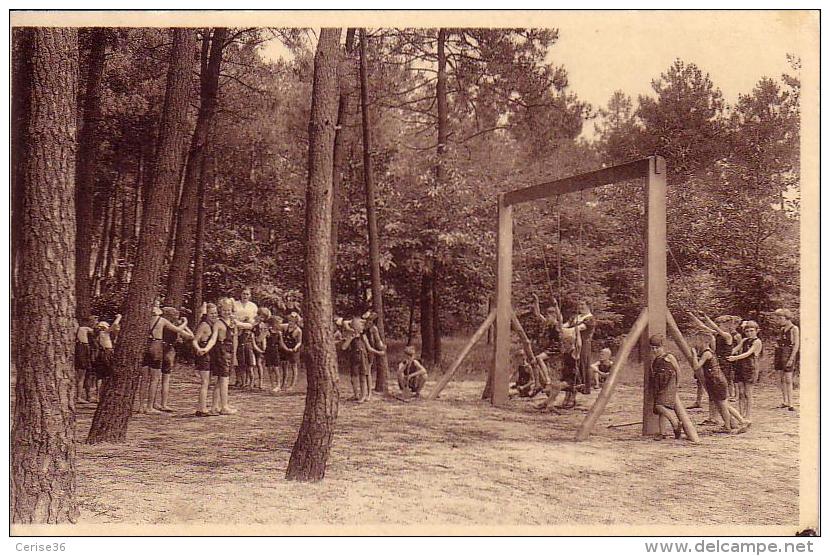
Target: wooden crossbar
x,y
580,182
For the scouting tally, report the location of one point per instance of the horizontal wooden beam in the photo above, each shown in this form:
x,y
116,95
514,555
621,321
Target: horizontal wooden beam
x,y
613,174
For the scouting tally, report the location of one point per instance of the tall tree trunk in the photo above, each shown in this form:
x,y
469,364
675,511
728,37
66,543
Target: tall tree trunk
x,y
436,318
343,111
381,382
208,165
89,141
411,328
311,449
188,207
115,227
100,268
43,433
427,329
109,424
440,178
21,88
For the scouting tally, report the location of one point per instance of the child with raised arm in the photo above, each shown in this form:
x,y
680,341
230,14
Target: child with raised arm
x,y
601,368
412,376
663,383
83,359
170,337
723,330
715,382
786,355
106,348
160,333
747,354
552,337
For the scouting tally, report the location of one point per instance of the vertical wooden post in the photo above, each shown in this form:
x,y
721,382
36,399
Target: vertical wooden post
x,y
504,309
655,275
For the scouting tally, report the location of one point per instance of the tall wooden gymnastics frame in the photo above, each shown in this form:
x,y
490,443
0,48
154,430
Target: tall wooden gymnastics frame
x,y
653,319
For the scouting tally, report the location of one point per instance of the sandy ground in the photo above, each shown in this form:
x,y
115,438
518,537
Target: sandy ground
x,y
453,461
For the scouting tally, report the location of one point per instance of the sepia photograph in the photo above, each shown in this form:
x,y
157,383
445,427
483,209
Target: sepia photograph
x,y
414,273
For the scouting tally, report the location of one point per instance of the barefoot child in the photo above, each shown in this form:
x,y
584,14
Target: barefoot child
x,y
221,360
663,383
412,376
786,355
291,340
715,382
357,346
259,339
746,356
204,340
601,368
154,358
170,337
723,330
272,353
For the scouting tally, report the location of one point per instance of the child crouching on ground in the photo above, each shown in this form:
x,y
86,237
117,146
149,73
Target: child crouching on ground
x,y
524,384
412,376
601,368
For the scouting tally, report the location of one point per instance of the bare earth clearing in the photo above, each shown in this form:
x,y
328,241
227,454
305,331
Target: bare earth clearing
x,y
456,461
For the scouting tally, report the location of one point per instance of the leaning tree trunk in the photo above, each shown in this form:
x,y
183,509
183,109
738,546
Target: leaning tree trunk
x,y
381,382
188,206
311,449
89,141
109,424
43,433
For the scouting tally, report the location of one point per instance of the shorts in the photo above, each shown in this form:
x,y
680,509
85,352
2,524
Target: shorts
x,y
245,356
168,360
83,359
782,355
221,360
291,356
415,384
154,354
745,372
103,364
272,357
716,385
203,363
728,369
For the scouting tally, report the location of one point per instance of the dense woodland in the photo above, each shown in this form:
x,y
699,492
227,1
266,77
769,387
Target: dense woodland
x,y
191,141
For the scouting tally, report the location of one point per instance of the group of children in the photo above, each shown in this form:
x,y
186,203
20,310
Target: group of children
x,y
94,344
726,354
361,345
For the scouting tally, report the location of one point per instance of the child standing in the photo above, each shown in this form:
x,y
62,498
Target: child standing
x,y
291,340
412,376
170,337
83,360
357,346
103,362
663,382
203,342
786,355
716,385
271,353
601,368
746,356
